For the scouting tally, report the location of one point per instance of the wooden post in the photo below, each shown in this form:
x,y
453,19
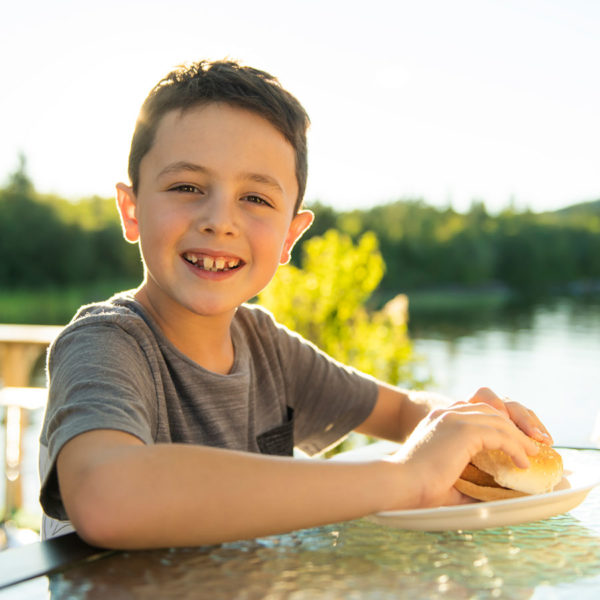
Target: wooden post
x,y
20,348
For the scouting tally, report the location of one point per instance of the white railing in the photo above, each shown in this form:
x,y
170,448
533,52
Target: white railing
x,y
20,348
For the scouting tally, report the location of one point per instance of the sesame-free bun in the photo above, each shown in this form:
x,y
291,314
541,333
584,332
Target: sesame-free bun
x,y
494,476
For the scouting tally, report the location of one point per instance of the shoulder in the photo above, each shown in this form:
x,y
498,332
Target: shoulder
x,y
257,320
119,317
253,314
261,330
121,309
118,307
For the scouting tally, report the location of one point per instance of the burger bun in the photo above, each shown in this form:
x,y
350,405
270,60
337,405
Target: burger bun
x,y
494,476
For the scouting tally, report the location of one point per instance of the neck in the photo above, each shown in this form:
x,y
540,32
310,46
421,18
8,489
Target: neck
x,y
204,339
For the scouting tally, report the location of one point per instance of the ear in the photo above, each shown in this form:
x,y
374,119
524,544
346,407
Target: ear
x,y
300,223
127,204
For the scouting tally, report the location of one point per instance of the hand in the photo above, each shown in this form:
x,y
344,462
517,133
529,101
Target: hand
x,y
443,443
526,420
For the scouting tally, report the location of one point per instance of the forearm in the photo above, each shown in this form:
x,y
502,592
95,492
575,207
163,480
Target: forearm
x,y
177,495
419,405
397,412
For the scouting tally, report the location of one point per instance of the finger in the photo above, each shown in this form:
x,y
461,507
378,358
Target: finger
x,y
454,498
483,407
519,446
508,444
493,430
477,403
487,396
460,498
528,422
525,419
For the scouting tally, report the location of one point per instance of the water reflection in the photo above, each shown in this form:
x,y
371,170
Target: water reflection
x,y
545,356
579,314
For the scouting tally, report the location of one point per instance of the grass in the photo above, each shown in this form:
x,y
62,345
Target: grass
x,y
453,311
452,300
56,305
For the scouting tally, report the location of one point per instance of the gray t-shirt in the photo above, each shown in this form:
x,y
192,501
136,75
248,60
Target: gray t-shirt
x,y
112,368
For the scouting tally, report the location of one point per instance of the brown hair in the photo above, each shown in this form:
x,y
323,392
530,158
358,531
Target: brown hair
x,y
222,81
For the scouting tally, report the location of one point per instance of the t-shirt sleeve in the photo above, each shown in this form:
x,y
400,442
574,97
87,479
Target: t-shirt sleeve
x,y
329,399
99,378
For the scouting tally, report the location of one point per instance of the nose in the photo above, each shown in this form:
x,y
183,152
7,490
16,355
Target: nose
x,y
218,216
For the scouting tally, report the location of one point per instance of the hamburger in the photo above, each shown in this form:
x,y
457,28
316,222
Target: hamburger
x,y
492,475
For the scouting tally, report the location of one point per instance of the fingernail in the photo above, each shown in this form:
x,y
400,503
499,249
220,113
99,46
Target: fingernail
x,y
542,434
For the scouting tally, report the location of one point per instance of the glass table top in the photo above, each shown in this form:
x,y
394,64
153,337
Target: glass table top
x,y
558,557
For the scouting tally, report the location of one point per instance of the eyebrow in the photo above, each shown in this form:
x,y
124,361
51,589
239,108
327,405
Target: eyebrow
x,y
183,165
264,179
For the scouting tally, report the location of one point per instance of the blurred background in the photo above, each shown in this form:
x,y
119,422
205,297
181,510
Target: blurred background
x,y
453,169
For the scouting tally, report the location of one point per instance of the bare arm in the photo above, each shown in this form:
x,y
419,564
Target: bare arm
x,y
398,412
120,493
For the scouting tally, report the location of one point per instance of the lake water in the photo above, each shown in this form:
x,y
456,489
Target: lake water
x,y
545,356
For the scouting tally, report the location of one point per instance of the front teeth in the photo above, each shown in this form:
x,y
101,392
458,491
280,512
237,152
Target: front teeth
x,y
208,263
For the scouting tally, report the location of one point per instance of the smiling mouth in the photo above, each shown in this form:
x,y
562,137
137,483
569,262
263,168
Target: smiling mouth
x,y
212,263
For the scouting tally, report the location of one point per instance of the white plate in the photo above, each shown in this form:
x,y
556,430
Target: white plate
x,y
581,476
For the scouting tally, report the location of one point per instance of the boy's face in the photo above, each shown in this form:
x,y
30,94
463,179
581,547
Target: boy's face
x,y
214,209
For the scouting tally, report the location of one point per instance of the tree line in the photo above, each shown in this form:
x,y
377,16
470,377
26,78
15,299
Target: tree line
x,y
425,247
46,240
49,241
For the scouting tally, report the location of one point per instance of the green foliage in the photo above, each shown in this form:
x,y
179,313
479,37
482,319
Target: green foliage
x,y
91,214
530,254
582,209
54,305
49,241
19,182
325,302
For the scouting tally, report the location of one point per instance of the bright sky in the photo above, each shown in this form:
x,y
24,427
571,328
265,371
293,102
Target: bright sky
x,y
449,101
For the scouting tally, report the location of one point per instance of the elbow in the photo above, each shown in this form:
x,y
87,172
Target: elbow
x,y
94,511
93,526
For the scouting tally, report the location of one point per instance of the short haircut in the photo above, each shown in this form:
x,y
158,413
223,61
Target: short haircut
x,y
222,81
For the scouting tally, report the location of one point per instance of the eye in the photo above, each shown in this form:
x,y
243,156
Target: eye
x,y
185,188
256,200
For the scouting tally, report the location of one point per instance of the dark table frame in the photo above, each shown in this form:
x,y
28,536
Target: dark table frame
x,y
41,558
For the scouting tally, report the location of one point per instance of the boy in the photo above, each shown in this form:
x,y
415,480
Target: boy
x,y
168,404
